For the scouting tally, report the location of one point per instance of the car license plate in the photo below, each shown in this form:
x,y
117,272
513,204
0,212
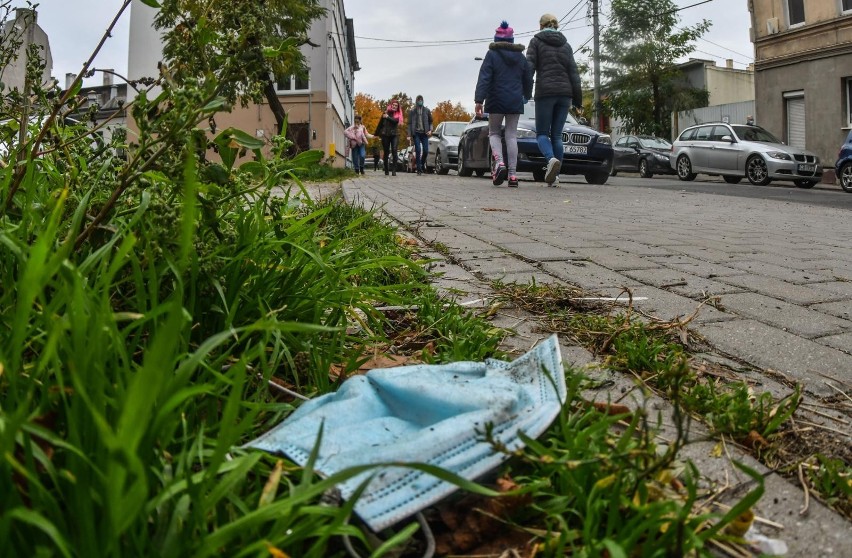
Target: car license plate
x,y
806,168
576,149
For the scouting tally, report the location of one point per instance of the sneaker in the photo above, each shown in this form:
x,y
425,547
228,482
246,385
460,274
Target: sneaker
x,y
500,174
513,181
553,167
554,184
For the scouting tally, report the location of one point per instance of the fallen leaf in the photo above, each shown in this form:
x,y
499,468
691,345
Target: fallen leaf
x,y
717,450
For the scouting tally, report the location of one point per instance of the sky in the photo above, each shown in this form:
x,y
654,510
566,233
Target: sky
x,y
424,47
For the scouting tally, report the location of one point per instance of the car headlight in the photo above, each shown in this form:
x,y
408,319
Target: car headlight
x,y
779,155
605,139
661,157
452,149
526,133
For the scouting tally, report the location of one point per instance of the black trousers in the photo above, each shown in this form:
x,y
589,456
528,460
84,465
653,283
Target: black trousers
x,y
390,144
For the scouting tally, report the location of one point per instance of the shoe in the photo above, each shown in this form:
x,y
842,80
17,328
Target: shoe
x,y
500,174
513,181
386,173
554,184
553,167
393,173
362,171
419,172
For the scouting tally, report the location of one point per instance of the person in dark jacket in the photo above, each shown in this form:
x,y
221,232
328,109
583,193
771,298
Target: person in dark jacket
x,y
557,86
388,130
504,85
419,132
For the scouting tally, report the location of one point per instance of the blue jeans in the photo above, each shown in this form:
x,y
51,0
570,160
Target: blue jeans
x,y
550,115
421,148
359,154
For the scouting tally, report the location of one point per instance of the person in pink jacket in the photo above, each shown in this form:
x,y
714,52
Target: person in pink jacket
x,y
358,135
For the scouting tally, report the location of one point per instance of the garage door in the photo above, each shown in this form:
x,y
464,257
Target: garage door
x,y
796,121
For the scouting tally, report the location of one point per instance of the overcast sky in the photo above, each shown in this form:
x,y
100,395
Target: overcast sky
x,y
408,46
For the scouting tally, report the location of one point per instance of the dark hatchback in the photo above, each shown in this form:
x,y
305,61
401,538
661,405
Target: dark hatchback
x,y
843,166
586,151
647,155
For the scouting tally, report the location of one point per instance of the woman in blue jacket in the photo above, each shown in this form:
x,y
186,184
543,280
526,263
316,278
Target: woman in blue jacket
x,y
504,84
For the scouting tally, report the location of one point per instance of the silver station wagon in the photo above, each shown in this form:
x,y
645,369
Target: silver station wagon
x,y
734,151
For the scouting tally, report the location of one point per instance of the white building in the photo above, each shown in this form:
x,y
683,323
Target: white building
x,y
318,108
25,28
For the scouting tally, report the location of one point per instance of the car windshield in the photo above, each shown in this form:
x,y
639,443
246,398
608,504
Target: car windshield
x,y
454,128
754,133
529,112
654,143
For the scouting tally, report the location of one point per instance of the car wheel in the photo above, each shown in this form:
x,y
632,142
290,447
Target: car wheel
x,y
806,184
480,172
463,170
613,172
684,168
756,171
439,165
733,179
538,175
644,171
597,178
846,177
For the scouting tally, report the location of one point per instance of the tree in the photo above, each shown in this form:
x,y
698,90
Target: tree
x,y
640,48
242,45
446,110
369,109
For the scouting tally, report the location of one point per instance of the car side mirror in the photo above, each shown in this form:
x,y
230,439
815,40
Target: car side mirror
x,y
636,148
728,139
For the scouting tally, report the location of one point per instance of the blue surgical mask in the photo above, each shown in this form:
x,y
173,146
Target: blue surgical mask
x,y
419,103
435,414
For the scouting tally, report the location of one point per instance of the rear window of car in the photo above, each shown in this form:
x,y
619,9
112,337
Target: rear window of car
x,y
688,134
704,133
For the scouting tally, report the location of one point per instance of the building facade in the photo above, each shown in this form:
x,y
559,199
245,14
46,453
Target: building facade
x,y
318,108
24,28
803,71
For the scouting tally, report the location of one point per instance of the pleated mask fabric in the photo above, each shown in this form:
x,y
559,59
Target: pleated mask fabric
x,y
435,414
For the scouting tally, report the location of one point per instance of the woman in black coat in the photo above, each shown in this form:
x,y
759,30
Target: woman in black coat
x,y
504,85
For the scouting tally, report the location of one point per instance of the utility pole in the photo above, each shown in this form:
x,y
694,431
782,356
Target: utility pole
x,y
596,61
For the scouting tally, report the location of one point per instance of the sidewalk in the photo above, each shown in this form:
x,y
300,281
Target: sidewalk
x,y
781,274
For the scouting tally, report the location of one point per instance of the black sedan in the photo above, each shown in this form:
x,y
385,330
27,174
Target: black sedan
x,y
586,151
646,155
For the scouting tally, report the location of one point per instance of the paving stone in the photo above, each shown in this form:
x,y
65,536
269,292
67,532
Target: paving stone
x,y
776,288
796,276
618,260
670,306
673,280
539,251
496,267
843,288
697,267
786,316
842,309
842,342
767,347
587,275
638,248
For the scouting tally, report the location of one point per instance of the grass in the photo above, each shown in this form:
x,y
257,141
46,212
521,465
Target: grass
x,y
660,355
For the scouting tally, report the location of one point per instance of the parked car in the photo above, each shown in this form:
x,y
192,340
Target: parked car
x,y
444,147
647,155
843,166
734,151
585,151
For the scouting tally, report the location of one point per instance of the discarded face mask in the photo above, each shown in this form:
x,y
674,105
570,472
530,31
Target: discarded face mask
x,y
434,414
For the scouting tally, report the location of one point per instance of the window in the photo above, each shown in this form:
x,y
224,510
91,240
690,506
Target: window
x,y
704,133
622,142
846,6
719,132
795,12
292,83
848,94
688,134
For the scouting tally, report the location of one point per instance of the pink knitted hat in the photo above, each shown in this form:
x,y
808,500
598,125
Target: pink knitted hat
x,y
504,33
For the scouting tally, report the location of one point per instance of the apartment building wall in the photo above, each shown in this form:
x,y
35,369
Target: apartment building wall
x,y
803,71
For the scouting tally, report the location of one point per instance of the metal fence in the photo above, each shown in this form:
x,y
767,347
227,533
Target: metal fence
x,y
735,113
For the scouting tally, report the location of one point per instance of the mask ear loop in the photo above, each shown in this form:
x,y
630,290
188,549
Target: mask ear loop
x,y
427,534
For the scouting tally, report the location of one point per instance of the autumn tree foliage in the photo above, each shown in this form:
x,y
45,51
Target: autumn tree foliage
x,y
446,110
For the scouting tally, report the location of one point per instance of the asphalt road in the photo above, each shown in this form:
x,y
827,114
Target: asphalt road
x,y
827,195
